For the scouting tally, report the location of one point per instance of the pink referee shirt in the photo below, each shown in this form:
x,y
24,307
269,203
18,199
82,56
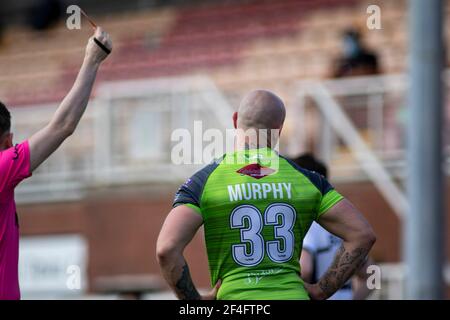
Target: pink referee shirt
x,y
14,167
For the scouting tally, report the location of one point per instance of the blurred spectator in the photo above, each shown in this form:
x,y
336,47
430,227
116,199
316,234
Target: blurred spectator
x,y
356,59
44,14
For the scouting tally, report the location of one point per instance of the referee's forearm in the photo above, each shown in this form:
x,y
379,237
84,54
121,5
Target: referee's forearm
x,y
71,109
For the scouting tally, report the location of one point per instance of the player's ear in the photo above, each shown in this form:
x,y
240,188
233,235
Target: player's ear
x,y
6,141
235,117
9,140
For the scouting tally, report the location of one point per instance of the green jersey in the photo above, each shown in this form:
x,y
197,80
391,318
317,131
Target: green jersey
x,y
256,207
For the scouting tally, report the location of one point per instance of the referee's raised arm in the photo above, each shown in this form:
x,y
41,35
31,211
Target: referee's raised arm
x,y
66,118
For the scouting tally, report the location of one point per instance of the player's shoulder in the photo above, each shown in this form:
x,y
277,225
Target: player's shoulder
x,y
316,179
14,152
199,178
192,189
206,171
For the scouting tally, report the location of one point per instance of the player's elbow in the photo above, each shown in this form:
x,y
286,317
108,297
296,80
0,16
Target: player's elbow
x,y
363,236
166,252
367,237
68,129
162,254
63,130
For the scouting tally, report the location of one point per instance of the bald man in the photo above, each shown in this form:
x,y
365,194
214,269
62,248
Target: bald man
x,y
256,206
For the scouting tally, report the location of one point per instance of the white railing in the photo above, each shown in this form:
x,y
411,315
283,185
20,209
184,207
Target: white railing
x,y
124,138
392,286
361,120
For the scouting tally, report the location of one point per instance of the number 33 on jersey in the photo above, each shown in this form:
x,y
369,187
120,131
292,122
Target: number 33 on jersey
x,y
256,207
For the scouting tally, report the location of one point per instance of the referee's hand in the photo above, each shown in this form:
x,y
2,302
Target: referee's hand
x,y
99,46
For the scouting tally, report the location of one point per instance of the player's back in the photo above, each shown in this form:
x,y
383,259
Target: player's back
x,y
256,206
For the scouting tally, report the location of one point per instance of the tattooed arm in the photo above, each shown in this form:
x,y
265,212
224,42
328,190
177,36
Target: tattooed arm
x,y
178,230
346,222
359,281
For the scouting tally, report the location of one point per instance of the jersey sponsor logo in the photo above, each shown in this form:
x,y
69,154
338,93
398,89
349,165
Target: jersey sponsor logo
x,y
255,170
253,278
259,191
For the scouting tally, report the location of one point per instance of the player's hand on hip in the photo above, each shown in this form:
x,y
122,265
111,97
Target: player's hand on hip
x,y
99,46
314,291
212,295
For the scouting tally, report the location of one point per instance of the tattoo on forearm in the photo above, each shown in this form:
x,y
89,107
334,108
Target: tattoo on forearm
x,y
185,287
343,267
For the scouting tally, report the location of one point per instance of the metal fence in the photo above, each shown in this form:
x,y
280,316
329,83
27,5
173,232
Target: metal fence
x,y
124,138
356,125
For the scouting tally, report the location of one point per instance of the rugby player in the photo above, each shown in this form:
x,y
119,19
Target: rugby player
x,y
256,206
19,161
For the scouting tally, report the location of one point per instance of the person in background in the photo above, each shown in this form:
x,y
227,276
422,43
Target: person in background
x,y
320,247
43,14
356,59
